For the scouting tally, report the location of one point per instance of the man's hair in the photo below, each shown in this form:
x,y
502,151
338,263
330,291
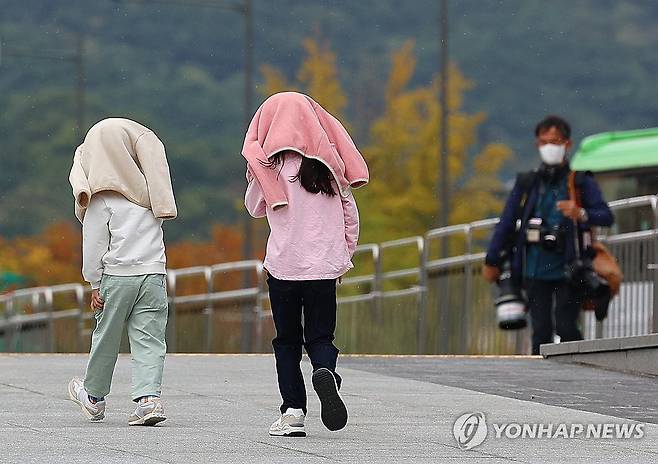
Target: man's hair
x,y
553,121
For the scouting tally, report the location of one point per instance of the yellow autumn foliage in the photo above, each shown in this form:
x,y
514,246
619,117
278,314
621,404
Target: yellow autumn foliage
x,y
403,155
317,77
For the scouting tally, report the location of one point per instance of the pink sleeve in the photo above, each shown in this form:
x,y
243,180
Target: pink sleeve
x,y
254,200
351,214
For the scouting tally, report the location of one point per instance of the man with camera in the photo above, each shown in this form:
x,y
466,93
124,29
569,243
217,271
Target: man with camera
x,y
542,232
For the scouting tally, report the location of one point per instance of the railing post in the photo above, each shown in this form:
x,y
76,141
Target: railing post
x,y
421,322
258,309
442,344
353,330
171,308
209,309
598,329
79,299
246,315
519,338
654,209
11,325
443,306
48,300
468,291
377,283
3,324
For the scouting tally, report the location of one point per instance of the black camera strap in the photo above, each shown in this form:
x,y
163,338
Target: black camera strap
x,y
525,181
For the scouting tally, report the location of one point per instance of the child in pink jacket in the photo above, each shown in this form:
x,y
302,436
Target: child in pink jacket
x,y
311,244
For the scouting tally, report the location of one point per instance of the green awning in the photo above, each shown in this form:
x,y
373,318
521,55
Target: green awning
x,y
615,151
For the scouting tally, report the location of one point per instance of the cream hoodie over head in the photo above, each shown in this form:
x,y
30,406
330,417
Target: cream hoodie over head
x,y
123,156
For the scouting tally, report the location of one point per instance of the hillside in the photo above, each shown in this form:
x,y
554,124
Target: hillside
x,y
178,69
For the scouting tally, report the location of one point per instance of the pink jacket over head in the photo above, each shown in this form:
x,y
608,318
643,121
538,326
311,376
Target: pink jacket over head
x,y
293,121
314,237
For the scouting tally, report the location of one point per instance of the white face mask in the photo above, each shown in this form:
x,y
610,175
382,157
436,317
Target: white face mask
x,y
552,154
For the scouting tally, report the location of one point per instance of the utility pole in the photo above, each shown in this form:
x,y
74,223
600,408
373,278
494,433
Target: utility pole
x,y
444,179
247,9
246,339
443,189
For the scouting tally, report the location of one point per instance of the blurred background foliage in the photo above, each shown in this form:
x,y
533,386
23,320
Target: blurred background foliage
x,y
374,64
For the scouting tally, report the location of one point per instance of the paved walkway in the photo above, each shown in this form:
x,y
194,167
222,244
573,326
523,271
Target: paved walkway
x,y
402,409
531,379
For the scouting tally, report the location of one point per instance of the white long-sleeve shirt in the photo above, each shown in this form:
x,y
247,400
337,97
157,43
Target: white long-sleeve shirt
x,y
120,238
314,236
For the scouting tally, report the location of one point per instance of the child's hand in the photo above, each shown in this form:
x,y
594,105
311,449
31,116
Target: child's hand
x,y
96,300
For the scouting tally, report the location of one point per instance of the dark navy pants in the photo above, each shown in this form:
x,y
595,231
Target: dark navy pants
x,y
543,296
316,301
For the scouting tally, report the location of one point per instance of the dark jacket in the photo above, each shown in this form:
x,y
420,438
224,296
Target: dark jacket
x,y
505,233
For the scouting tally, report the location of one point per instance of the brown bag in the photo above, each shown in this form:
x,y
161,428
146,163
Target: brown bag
x,y
607,267
604,263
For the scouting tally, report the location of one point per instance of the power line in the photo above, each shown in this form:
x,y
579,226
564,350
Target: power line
x,y
76,58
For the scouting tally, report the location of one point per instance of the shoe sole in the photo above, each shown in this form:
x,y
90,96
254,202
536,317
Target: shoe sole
x,y
149,419
289,432
333,409
89,415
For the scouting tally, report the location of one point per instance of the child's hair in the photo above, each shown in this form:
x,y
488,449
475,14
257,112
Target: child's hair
x,y
314,175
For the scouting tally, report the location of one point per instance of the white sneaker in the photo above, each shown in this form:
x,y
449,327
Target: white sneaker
x,y
94,411
149,411
290,424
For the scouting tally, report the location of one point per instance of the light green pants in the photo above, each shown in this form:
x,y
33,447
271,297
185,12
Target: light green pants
x,y
140,302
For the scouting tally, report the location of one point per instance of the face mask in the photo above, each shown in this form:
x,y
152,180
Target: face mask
x,y
552,154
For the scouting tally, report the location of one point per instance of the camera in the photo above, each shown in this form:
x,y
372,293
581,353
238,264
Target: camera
x,y
549,237
510,304
591,287
582,276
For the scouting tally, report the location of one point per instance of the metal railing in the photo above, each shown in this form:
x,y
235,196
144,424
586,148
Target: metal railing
x,y
406,299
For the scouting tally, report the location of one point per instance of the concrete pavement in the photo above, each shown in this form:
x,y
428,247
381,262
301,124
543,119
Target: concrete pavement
x,y
220,408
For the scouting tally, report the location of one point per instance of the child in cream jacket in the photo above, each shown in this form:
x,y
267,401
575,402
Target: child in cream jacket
x,y
122,188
